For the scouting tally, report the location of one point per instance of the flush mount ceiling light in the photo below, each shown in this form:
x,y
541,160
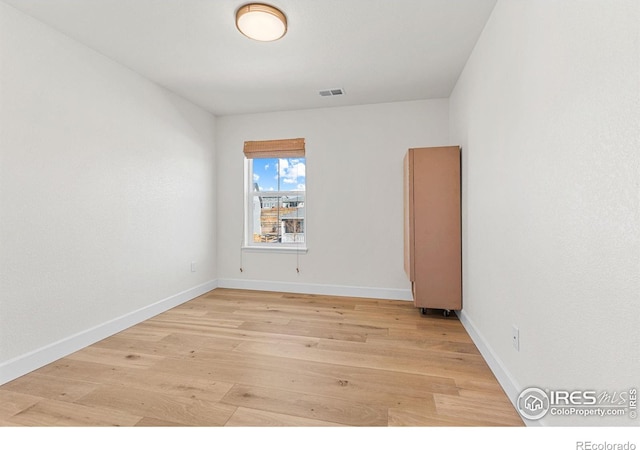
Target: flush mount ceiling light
x,y
261,22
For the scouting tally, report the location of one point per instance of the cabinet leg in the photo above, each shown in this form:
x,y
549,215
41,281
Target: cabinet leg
x,y
423,311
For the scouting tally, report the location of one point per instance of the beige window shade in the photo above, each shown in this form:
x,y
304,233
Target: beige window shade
x,y
279,148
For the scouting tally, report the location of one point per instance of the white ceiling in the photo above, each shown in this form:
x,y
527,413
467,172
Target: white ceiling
x,y
376,50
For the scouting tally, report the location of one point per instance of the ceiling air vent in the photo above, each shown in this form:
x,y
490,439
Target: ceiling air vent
x,y
331,92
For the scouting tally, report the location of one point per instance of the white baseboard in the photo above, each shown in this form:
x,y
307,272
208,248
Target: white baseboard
x,y
504,377
319,289
23,364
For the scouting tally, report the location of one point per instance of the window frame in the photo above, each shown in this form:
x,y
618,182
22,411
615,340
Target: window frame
x,y
250,194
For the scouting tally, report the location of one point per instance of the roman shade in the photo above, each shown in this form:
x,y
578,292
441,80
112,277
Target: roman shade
x,y
278,148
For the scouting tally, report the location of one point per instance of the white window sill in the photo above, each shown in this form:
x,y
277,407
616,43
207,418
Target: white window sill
x,y
274,248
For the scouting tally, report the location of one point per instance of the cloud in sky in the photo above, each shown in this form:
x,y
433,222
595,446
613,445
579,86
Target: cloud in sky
x,y
291,170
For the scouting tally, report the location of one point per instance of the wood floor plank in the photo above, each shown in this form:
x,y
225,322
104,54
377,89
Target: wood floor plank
x,y
421,417
113,357
78,370
303,358
247,417
179,321
54,388
11,403
141,334
437,331
180,384
307,406
69,371
441,367
55,413
337,330
151,422
188,412
173,345
313,314
467,408
427,353
345,382
229,337
6,423
417,346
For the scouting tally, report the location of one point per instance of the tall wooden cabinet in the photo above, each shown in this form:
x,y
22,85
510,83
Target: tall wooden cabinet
x,y
432,247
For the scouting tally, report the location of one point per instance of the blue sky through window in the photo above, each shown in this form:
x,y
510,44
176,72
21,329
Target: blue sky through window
x,y
289,173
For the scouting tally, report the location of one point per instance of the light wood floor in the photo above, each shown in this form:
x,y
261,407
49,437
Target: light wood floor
x,y
246,358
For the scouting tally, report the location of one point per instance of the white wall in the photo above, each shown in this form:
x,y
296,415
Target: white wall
x,y
547,112
107,193
354,196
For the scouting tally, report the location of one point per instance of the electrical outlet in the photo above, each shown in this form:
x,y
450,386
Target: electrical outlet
x,y
515,337
193,266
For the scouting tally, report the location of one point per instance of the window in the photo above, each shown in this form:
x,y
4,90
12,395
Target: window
x,y
276,194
